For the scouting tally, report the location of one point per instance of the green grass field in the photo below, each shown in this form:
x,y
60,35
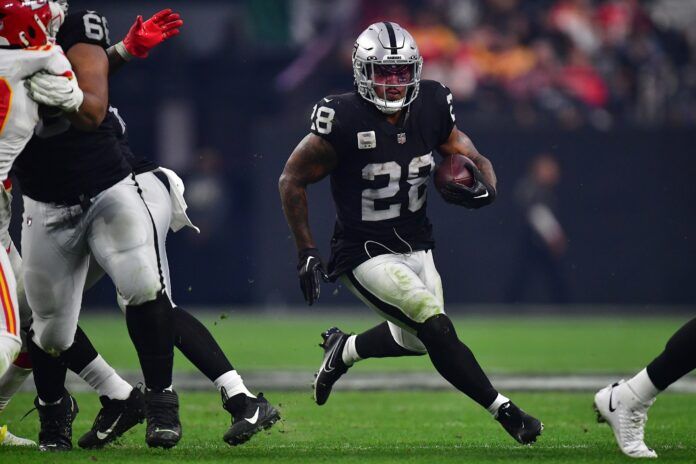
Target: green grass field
x,y
383,427
411,426
503,345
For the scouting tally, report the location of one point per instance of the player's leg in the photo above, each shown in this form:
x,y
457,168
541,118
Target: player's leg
x,y
10,341
54,267
407,290
123,242
624,405
396,287
123,406
194,340
17,373
21,368
342,350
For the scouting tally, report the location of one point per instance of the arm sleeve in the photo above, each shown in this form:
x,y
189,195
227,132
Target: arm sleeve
x,y
84,27
445,118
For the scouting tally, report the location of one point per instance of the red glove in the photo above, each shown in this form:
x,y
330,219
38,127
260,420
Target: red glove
x,y
144,36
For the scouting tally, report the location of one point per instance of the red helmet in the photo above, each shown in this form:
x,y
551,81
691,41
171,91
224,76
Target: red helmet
x,y
24,23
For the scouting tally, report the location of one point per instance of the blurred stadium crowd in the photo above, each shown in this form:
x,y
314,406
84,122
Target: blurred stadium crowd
x,y
571,63
608,83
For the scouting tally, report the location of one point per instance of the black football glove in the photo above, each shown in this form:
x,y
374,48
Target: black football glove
x,y
477,196
310,270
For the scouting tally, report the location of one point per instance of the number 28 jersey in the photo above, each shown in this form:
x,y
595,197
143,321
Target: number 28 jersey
x,y
379,185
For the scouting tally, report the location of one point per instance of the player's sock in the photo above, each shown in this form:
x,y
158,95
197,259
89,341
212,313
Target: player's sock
x,y
83,359
497,403
80,353
349,354
151,327
49,374
104,380
677,359
455,361
378,343
233,384
13,379
196,342
642,386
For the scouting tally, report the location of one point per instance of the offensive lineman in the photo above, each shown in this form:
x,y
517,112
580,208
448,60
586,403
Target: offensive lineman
x,y
162,190
25,28
81,202
376,143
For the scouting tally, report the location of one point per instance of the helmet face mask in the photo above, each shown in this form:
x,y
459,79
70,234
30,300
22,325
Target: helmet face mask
x,y
387,67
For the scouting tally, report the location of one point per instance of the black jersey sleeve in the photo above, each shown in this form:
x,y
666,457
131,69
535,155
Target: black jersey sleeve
x,y
325,120
445,112
84,27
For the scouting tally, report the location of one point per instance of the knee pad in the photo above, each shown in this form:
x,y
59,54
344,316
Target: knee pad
x,y
437,329
135,293
53,343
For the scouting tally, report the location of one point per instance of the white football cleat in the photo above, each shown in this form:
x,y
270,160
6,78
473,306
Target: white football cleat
x,y
7,439
626,414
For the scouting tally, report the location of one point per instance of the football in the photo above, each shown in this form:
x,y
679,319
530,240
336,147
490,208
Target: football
x,y
454,168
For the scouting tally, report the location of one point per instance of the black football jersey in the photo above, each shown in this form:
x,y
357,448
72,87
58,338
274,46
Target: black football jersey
x,y
137,162
379,185
62,164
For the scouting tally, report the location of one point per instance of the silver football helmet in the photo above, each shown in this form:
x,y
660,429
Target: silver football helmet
x,y
386,56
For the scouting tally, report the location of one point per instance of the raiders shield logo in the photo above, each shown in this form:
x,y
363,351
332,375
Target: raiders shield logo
x,y
401,138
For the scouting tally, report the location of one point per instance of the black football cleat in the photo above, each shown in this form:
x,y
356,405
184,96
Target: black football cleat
x,y
332,366
56,423
162,414
249,417
520,425
115,418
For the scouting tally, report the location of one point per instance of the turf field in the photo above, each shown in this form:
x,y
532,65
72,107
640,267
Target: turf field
x,y
526,345
410,426
379,427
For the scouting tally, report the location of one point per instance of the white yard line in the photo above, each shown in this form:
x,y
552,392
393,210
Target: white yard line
x,y
294,380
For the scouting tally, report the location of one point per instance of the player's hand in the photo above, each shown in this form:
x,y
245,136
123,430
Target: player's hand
x,y
310,270
144,36
477,196
50,90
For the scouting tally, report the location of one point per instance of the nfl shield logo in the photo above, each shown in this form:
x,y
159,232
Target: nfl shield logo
x,y
401,138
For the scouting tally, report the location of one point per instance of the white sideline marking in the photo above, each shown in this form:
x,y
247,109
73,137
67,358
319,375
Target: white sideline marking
x,y
294,380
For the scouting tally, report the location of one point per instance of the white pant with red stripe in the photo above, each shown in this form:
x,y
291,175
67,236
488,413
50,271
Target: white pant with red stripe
x,y
10,341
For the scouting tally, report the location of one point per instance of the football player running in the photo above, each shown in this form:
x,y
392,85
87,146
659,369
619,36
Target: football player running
x,y
376,144
624,405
